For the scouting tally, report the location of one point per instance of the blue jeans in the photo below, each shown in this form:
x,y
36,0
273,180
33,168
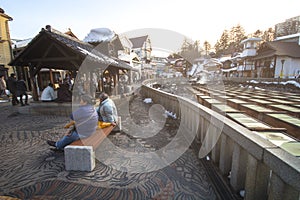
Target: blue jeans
x,y
67,139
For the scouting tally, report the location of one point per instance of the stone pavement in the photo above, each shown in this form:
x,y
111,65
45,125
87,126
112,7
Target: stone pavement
x,y
30,170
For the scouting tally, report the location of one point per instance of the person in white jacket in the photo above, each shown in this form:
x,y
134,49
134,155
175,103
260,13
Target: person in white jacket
x,y
48,93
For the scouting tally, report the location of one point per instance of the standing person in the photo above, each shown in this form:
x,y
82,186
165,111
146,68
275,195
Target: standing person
x,y
67,80
48,93
107,111
85,119
21,90
2,85
12,87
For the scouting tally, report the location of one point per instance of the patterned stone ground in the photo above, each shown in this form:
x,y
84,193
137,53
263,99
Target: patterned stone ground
x,y
30,170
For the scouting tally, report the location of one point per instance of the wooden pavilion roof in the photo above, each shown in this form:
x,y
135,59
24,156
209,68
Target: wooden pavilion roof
x,y
55,50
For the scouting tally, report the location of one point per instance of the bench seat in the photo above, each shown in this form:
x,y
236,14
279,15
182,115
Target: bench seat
x,y
95,139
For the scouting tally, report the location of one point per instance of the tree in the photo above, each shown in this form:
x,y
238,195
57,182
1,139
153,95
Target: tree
x,y
258,34
186,45
230,41
190,51
222,44
197,46
207,47
268,35
237,35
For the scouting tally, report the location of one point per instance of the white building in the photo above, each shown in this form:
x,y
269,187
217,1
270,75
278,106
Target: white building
x,y
247,68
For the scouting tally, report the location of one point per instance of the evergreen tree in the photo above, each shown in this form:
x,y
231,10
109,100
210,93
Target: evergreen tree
x,y
190,51
258,34
222,45
237,34
207,47
268,35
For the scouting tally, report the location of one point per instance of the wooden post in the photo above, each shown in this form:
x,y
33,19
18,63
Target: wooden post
x,y
33,84
51,76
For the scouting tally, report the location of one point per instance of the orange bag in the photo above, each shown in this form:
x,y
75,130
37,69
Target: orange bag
x,y
103,124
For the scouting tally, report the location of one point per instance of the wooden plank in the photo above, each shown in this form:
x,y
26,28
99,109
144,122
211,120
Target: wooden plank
x,y
280,139
292,147
294,111
95,139
201,98
209,102
297,106
292,124
282,101
236,103
252,123
260,101
224,108
258,108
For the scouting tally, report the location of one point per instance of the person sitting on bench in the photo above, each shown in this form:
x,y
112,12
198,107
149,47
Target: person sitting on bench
x,y
84,119
48,93
63,93
107,111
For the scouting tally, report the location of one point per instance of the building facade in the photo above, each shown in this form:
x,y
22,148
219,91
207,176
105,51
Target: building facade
x,y
246,67
5,44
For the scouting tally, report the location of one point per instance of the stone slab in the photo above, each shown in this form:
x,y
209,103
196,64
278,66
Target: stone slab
x,y
79,158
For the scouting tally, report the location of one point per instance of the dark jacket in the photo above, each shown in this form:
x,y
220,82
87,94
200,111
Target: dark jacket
x,y
21,87
64,94
12,84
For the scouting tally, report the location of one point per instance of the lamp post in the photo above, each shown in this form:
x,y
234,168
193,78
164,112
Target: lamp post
x,y
281,72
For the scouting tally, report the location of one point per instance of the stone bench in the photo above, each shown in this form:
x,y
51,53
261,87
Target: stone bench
x,y
80,155
47,108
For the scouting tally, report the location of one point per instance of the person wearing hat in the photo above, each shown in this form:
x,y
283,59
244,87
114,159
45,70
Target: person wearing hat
x,y
84,123
12,87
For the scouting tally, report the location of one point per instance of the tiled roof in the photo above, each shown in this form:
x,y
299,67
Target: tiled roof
x,y
80,48
291,49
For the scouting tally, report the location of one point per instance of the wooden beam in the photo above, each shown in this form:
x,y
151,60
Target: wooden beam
x,y
71,58
54,59
36,69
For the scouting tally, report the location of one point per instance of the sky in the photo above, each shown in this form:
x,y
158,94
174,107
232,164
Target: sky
x,y
194,19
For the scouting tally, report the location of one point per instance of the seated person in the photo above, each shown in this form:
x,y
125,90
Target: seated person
x,y
48,93
63,93
85,121
107,111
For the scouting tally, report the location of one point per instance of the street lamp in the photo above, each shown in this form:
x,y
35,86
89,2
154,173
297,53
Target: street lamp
x,y
281,72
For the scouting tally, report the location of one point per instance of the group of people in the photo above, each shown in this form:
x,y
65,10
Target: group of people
x,y
63,93
17,88
85,120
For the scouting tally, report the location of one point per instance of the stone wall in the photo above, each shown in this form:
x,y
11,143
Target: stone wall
x,y
254,164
